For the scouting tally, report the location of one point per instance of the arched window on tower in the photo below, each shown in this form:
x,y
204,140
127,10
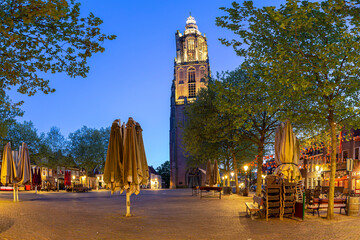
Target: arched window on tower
x,y
191,49
181,76
191,82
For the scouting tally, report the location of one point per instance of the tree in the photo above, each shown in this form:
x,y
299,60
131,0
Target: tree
x,y
242,94
88,147
45,36
24,132
55,140
164,171
310,48
8,112
211,133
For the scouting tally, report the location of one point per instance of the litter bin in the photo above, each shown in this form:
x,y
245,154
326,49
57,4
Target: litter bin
x,y
27,187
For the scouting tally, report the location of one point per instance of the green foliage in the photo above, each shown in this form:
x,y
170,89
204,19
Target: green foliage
x,y
8,112
88,147
212,132
24,132
309,48
164,171
45,36
55,140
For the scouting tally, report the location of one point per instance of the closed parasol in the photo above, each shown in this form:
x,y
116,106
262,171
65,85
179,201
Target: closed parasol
x,y
216,174
287,152
25,164
6,166
142,155
16,167
209,174
126,165
113,171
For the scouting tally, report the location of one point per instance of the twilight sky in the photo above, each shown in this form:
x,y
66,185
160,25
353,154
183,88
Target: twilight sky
x,y
133,76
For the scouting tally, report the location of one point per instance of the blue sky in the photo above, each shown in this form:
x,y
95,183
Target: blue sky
x,y
133,77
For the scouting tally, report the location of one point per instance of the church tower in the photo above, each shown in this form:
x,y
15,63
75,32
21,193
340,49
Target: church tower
x,y
191,68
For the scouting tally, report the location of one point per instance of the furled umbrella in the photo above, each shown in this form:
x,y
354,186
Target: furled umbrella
x,y
142,155
216,174
6,166
134,174
126,165
287,152
25,164
16,167
113,171
209,174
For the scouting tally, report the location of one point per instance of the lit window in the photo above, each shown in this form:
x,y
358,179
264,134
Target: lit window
x,y
192,90
191,75
191,49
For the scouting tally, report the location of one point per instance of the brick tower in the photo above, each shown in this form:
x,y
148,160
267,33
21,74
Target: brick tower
x,y
191,68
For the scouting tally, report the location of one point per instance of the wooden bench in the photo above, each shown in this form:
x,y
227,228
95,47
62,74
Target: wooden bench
x,y
319,203
208,189
251,207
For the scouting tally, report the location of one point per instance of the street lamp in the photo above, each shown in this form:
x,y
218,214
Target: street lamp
x,y
246,182
263,177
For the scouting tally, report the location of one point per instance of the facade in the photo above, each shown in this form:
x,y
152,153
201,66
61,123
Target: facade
x,y
316,166
191,68
154,181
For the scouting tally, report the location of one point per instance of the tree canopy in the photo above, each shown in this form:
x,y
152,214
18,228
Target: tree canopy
x,y
164,171
8,112
88,147
45,36
211,132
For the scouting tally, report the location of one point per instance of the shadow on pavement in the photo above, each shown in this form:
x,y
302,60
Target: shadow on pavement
x,y
5,223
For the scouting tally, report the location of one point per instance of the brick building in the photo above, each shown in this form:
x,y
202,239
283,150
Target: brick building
x,y
191,68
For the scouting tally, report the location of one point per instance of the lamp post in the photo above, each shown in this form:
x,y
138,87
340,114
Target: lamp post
x,y
246,182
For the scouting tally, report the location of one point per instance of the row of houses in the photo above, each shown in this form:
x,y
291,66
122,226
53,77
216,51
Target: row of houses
x,y
54,178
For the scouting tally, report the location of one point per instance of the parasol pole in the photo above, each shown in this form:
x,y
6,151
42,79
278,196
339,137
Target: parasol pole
x,y
128,203
14,191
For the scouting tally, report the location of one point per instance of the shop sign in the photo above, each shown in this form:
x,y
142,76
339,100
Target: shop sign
x,y
349,164
355,174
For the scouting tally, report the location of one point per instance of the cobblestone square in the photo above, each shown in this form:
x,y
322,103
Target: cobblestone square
x,y
158,214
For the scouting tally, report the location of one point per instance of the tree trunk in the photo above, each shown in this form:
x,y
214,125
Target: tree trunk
x,y
236,174
259,169
228,174
330,213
